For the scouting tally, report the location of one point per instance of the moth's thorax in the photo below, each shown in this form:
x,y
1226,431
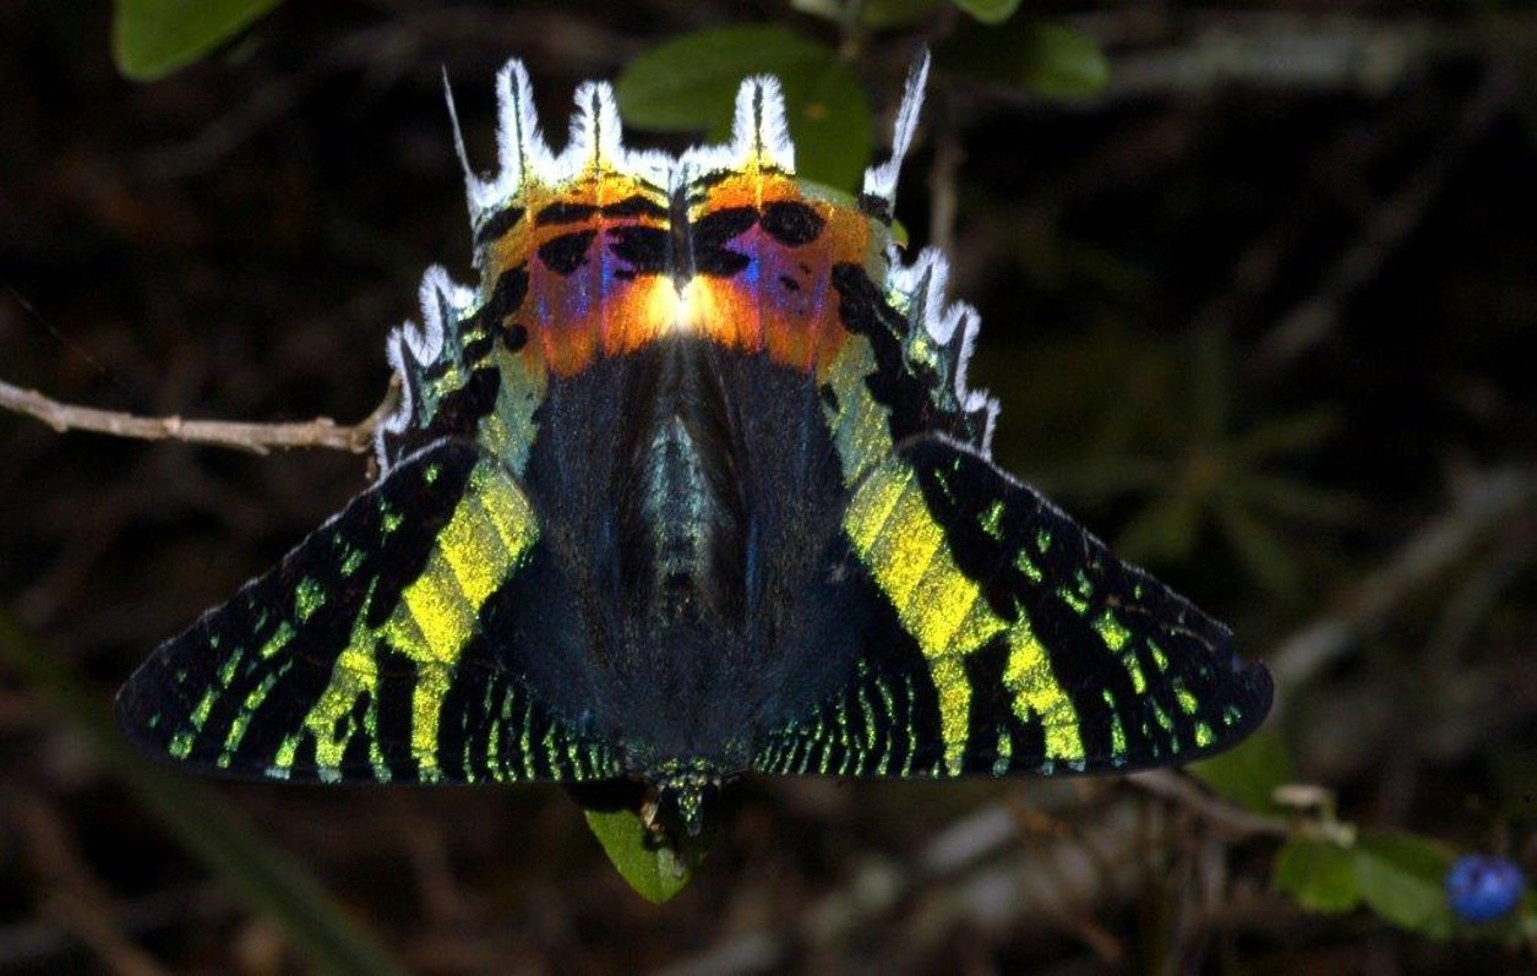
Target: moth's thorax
x,y
679,793
681,512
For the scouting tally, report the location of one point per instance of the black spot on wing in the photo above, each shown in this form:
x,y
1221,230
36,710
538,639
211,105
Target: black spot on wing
x,y
710,235
647,250
564,254
874,205
635,205
459,411
864,311
500,223
792,223
829,396
478,348
507,295
564,213
515,337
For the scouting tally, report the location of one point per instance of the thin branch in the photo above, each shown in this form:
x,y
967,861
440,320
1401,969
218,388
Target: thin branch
x,y
256,438
1237,821
75,899
1481,507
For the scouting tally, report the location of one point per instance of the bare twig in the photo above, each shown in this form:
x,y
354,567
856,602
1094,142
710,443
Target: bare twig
x,y
76,899
1392,222
256,438
1235,820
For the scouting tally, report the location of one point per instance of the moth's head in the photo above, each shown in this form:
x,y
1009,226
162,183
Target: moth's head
x,y
682,793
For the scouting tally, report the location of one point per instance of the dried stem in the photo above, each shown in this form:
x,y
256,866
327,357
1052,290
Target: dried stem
x,y
256,438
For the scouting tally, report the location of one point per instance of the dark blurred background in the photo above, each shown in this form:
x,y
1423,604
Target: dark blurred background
x,y
1260,311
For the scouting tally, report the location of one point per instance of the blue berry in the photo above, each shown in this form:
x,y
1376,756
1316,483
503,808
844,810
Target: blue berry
x,y
1482,887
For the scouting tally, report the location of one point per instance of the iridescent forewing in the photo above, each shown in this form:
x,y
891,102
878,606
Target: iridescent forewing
x,y
1003,637
1013,641
574,253
369,654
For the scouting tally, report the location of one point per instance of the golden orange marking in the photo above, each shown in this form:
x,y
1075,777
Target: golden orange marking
x,y
574,318
783,304
796,324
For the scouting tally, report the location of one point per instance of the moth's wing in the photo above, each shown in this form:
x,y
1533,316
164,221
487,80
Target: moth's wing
x,y
369,653
1006,639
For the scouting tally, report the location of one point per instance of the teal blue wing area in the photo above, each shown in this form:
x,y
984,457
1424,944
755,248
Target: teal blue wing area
x,y
1008,639
367,654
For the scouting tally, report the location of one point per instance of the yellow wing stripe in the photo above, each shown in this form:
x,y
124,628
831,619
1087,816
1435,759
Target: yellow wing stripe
x,y
355,673
1029,677
482,544
895,535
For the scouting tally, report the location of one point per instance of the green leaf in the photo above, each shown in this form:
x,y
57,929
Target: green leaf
x,y
267,879
1402,877
893,14
657,871
1249,774
153,38
1039,56
874,14
1320,874
1526,917
989,11
690,83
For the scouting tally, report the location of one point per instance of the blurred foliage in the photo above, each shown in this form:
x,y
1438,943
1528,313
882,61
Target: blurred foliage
x,y
689,84
1250,774
270,881
153,38
1046,57
989,11
1216,475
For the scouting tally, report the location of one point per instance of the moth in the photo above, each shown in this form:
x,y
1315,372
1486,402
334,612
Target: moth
x,y
690,485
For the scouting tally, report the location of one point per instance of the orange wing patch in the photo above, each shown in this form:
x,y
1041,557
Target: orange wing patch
x,y
763,253
588,262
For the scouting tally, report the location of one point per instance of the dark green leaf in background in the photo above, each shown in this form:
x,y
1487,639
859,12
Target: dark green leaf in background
x,y
1039,56
1402,877
1249,774
690,83
268,880
893,14
989,11
153,38
1320,874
